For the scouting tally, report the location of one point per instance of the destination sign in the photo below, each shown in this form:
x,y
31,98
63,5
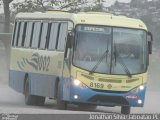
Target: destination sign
x,y
105,30
96,29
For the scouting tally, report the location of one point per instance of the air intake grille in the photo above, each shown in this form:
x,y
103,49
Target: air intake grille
x,y
110,80
118,100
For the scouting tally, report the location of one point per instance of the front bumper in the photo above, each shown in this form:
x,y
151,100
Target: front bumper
x,y
103,98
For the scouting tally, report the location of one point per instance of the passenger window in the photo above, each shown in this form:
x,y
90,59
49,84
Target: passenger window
x,y
62,36
24,33
36,33
20,34
43,35
48,35
16,33
53,36
28,34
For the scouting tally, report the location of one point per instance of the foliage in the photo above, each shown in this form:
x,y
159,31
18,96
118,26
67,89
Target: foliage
x,y
43,5
33,5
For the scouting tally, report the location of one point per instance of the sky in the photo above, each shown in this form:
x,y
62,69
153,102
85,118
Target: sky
x,y
124,0
110,2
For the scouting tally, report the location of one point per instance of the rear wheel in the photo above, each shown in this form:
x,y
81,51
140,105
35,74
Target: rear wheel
x,y
61,105
125,109
39,100
32,99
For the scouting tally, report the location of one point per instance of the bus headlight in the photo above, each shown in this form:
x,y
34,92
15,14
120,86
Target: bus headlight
x,y
139,88
76,82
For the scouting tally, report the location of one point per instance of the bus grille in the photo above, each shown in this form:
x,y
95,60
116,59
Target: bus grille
x,y
133,80
109,91
110,80
117,100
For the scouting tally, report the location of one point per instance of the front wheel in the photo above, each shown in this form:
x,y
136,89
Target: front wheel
x,y
61,105
125,109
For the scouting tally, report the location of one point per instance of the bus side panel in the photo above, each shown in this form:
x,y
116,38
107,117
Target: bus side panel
x,y
66,81
16,80
42,85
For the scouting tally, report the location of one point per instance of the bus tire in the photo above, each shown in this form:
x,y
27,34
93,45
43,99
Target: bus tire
x,y
125,109
61,105
29,99
39,100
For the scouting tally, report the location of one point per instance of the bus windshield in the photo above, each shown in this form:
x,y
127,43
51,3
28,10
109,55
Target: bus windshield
x,y
126,49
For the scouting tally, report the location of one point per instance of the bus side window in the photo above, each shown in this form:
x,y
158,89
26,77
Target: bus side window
x,y
48,35
28,34
31,34
18,34
43,36
53,36
24,34
36,33
40,34
21,34
62,36
14,33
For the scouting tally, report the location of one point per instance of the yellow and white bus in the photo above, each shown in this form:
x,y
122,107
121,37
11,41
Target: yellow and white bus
x,y
84,59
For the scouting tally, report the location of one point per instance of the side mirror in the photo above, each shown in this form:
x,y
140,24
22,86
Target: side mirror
x,y
69,43
150,40
69,40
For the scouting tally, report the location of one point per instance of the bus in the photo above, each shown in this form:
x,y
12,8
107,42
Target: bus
x,y
86,58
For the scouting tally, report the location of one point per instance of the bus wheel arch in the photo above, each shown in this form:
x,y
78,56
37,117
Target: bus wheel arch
x,y
56,87
24,82
29,98
62,105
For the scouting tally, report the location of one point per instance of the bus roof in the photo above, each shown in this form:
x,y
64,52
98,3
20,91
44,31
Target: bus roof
x,y
94,18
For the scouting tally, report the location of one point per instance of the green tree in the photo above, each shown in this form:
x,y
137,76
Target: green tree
x,y
35,5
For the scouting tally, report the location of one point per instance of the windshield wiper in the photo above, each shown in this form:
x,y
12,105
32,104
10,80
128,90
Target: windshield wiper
x,y
99,61
121,62
125,67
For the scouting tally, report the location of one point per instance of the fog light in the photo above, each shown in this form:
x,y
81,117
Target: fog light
x,y
75,96
139,101
141,87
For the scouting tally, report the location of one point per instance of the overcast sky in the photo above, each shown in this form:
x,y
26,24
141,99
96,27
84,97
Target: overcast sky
x,y
110,2
119,0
